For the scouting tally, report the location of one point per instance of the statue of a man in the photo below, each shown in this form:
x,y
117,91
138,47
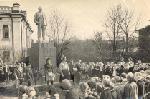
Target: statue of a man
x,y
40,20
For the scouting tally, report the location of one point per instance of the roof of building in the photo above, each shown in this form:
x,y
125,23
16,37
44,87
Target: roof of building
x,y
16,4
145,28
7,10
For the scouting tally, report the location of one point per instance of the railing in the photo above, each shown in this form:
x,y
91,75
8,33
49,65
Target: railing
x,y
5,9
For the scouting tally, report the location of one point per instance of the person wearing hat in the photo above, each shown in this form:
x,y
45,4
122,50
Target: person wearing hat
x,y
131,88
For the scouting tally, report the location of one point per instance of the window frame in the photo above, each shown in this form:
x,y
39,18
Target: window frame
x,y
4,34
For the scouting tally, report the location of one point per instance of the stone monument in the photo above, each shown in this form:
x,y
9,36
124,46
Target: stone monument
x,y
41,50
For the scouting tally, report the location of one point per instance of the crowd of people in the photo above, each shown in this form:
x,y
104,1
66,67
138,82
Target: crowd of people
x,y
121,80
19,72
83,80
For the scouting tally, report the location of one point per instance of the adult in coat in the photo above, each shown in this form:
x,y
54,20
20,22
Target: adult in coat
x,y
108,92
131,88
64,68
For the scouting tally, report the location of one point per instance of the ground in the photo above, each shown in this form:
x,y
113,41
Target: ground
x,y
8,90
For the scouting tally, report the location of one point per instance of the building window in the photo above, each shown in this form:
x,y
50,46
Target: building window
x,y
5,31
6,56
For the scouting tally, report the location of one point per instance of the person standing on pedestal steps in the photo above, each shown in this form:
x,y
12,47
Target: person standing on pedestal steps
x,y
49,72
40,20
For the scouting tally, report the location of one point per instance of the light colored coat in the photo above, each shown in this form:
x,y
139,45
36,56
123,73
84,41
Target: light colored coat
x,y
131,91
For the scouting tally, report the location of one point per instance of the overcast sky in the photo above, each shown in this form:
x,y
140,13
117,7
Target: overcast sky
x,y
85,16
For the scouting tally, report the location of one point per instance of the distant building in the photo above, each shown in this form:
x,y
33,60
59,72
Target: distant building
x,y
144,43
15,33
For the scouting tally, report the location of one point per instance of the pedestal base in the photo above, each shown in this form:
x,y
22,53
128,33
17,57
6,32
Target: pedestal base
x,y
39,52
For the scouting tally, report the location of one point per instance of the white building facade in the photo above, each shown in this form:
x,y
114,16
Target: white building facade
x,y
15,33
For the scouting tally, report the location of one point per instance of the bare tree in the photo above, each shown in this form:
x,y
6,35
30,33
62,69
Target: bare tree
x,y
59,32
112,25
120,22
129,24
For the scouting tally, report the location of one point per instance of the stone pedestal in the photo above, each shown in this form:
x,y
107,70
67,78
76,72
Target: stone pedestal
x,y
39,52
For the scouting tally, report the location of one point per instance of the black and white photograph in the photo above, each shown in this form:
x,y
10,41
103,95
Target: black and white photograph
x,y
74,49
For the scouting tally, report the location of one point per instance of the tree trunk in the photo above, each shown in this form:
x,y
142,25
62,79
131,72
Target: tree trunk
x,y
127,44
114,42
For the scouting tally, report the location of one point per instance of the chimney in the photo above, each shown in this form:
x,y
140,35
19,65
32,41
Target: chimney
x,y
16,8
